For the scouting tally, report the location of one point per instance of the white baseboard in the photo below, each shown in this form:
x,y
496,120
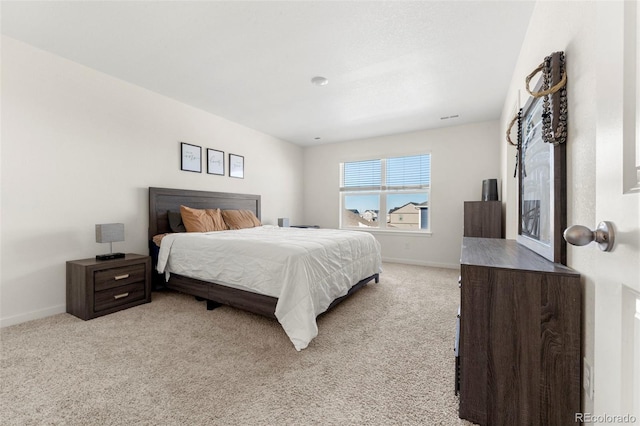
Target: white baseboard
x,y
30,316
422,263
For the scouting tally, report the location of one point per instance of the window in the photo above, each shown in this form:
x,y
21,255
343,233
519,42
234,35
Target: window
x,y
391,193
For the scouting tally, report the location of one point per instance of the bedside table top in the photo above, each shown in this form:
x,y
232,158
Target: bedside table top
x,y
112,262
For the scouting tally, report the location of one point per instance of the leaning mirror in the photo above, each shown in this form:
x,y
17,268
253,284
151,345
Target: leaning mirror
x,y
542,181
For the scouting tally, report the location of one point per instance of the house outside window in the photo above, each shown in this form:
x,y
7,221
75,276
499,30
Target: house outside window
x,y
386,194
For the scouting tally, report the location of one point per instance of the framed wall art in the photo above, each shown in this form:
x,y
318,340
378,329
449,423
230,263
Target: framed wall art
x,y
190,157
236,166
215,162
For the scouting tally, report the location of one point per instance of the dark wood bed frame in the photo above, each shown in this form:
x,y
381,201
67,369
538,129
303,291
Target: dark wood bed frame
x,y
163,200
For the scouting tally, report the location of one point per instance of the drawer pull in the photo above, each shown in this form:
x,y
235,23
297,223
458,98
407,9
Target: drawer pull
x,y
121,277
120,296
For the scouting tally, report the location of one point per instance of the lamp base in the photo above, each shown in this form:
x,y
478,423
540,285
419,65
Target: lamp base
x,y
109,256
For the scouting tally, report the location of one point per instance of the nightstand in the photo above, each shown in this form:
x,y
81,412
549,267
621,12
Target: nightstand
x,y
101,287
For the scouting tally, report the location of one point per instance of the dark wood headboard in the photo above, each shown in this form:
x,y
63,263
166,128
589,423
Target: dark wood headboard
x,y
162,200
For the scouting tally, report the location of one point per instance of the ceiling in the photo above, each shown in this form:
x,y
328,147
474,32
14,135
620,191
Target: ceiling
x,y
392,66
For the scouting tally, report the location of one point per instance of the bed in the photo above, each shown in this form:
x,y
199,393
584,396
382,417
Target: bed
x,y
300,255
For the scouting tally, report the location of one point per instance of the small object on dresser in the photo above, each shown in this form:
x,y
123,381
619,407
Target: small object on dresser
x,y
283,222
108,233
490,190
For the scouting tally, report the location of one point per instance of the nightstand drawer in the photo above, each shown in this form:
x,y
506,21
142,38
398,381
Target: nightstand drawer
x,y
117,277
120,295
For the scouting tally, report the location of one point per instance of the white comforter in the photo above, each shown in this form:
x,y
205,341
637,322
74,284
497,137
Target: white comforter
x,y
306,269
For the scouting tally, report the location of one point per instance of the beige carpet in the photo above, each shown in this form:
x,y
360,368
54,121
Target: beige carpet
x,y
384,356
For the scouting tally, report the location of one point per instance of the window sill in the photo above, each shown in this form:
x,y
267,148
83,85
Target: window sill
x,y
392,232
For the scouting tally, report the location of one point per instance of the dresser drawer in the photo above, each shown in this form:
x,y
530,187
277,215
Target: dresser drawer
x,y
117,277
118,296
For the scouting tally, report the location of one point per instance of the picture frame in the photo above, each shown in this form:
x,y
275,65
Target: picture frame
x,y
542,188
236,166
215,162
190,157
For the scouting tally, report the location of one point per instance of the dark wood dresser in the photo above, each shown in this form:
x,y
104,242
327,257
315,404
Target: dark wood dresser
x,y
520,336
100,287
483,219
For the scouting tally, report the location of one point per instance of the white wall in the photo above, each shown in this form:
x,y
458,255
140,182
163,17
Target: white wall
x,y
80,148
569,27
462,157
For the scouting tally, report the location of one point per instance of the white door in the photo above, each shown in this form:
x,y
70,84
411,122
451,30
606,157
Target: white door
x,y
617,281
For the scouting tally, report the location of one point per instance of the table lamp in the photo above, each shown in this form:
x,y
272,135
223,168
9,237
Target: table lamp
x,y
108,233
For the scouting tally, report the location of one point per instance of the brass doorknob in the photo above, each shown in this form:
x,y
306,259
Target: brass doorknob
x,y
579,235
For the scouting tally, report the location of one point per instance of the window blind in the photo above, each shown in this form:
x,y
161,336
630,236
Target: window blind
x,y
362,175
412,172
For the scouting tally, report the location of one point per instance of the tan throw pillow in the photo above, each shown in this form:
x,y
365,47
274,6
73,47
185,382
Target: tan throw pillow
x,y
218,221
240,219
202,220
196,220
